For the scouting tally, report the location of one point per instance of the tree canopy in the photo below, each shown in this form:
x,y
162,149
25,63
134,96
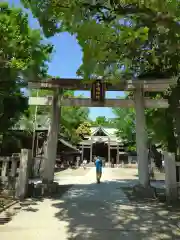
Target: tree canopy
x,y
23,56
84,130
133,35
123,39
102,121
125,123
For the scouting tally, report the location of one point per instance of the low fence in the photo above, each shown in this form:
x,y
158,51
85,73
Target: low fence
x,y
9,170
8,166
14,173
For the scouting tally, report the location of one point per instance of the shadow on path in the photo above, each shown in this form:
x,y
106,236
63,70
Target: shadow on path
x,y
103,212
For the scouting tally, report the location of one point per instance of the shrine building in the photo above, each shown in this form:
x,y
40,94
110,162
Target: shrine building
x,y
104,143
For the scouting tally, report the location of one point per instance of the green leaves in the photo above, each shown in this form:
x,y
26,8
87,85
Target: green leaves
x,y
71,117
102,121
25,51
23,56
103,44
125,123
139,35
84,130
119,39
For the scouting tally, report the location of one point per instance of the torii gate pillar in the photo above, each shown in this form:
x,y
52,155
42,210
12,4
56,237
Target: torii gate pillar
x,y
52,140
141,138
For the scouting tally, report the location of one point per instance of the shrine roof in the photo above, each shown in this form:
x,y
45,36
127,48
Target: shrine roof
x,y
68,144
108,131
107,134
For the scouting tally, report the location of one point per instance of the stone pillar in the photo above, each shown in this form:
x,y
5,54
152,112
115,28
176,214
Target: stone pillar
x,y
117,155
4,168
13,167
91,152
170,177
141,138
129,159
77,161
82,153
51,148
109,152
22,181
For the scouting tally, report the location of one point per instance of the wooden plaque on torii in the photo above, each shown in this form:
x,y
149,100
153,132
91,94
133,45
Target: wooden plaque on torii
x,y
98,91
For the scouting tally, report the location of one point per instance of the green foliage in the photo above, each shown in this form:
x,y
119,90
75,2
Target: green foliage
x,y
22,50
71,117
156,127
125,123
136,35
102,121
105,45
84,130
160,128
14,141
121,39
114,34
23,56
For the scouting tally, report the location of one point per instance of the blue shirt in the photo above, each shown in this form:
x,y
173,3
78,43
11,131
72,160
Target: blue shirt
x,y
98,164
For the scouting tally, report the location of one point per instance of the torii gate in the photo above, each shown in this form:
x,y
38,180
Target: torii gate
x,y
139,103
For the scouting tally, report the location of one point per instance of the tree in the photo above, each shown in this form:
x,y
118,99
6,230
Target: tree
x,y
159,131
23,56
102,121
71,117
84,130
94,33
114,34
125,123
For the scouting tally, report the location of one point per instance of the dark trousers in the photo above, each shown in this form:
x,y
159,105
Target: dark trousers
x,y
98,175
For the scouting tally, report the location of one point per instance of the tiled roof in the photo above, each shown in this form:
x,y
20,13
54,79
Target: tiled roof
x,y
42,124
68,144
109,131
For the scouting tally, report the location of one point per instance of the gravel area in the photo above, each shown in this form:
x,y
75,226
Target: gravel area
x,y
73,172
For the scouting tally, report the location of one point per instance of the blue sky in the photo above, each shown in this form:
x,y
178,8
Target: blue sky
x,y
66,60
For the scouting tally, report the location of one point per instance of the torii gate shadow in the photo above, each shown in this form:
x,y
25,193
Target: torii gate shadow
x,y
103,211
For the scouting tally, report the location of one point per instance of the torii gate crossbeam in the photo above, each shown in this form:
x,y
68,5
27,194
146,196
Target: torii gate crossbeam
x,y
86,102
155,85
139,103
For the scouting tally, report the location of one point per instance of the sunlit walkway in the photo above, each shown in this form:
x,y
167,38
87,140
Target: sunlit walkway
x,y
93,211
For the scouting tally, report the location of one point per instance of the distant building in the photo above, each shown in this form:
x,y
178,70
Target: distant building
x,y
104,143
65,150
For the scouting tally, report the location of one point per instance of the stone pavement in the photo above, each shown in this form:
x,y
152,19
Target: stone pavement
x,y
90,211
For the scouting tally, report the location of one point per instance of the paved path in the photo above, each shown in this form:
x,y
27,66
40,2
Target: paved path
x,y
91,211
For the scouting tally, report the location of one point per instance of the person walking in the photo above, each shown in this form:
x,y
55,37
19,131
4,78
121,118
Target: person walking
x,y
112,162
84,163
98,164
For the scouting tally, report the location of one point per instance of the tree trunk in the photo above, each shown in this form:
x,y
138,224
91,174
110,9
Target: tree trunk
x,y
177,129
157,156
173,100
171,140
